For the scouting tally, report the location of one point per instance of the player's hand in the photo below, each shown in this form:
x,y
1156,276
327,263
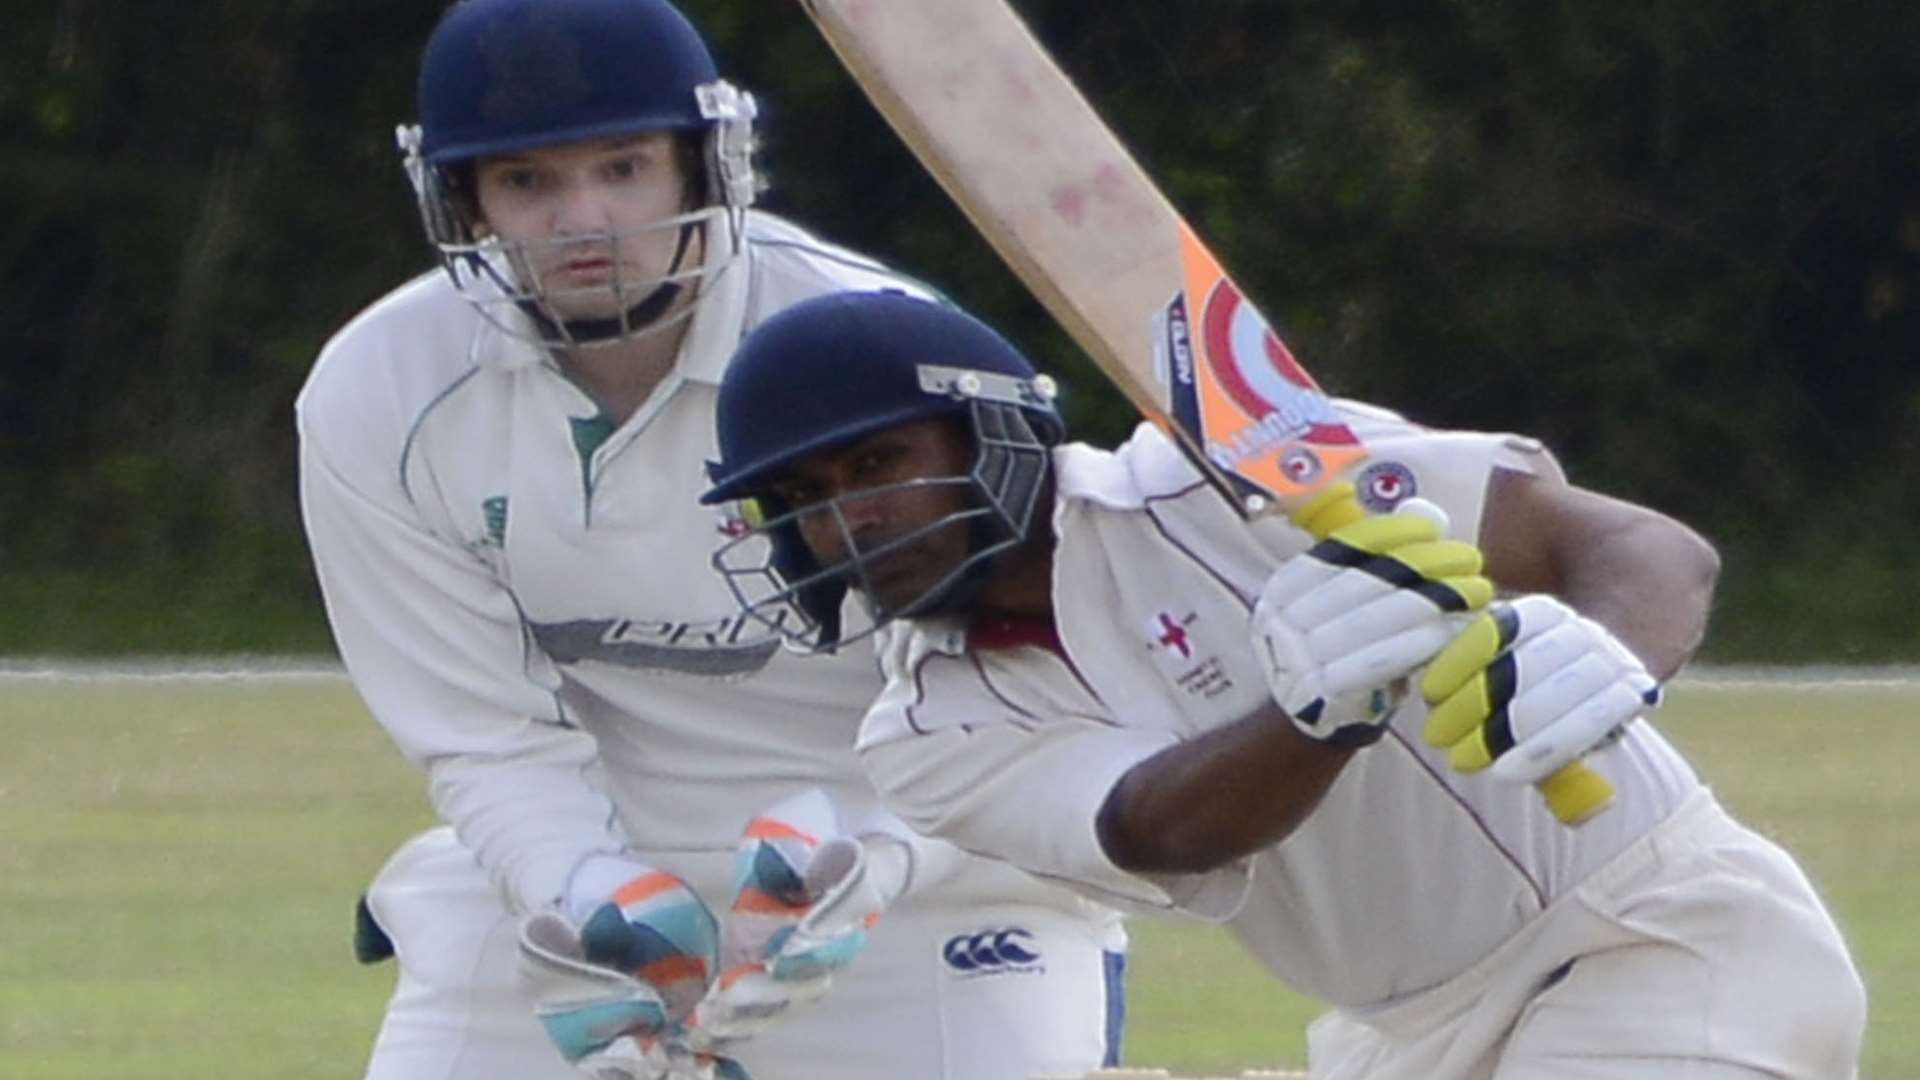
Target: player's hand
x,y
805,899
613,993
1530,686
1341,626
606,1023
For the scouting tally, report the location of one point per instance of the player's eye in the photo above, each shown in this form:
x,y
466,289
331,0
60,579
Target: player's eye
x,y
877,462
514,179
629,166
798,495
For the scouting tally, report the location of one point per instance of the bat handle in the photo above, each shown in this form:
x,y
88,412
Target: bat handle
x,y
1577,791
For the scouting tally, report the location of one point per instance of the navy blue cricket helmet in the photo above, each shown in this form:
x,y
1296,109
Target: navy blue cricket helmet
x,y
832,370
505,76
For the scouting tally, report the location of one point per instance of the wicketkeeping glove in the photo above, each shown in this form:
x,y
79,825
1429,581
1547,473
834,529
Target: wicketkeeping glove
x,y
614,992
804,900
1340,627
1530,686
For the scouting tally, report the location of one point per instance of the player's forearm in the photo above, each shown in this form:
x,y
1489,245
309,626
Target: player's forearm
x,y
1638,572
435,650
1651,582
530,818
1203,803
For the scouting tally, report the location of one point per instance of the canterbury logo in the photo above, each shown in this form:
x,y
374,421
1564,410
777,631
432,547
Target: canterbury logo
x,y
989,950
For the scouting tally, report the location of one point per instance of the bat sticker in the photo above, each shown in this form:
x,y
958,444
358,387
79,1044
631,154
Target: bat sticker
x,y
1238,393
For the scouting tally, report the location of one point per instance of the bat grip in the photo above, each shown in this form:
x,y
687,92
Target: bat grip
x,y
1577,791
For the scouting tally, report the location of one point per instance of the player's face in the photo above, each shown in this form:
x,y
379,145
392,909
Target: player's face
x,y
584,218
860,498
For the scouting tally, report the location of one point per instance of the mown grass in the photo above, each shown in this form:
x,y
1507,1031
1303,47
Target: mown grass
x,y
179,859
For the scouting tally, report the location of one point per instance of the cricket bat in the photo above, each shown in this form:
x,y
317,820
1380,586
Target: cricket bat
x,y
1050,186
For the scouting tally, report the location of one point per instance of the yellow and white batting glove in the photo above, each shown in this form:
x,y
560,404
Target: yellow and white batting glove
x,y
1341,627
1530,686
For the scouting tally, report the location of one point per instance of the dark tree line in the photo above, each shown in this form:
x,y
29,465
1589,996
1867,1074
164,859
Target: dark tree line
x,y
1679,242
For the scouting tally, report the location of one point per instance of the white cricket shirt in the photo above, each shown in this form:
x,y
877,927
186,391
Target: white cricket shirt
x,y
1403,876
524,599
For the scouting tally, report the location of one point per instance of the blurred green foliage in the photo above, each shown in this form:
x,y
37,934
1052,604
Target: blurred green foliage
x,y
1681,243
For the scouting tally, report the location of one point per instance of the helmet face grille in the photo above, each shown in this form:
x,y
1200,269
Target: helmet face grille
x,y
497,278
831,371
776,579
507,76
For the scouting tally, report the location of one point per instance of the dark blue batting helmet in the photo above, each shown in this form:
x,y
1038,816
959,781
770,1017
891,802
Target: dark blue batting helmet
x,y
840,366
835,369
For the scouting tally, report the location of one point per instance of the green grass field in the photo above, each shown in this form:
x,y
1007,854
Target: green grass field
x,y
179,858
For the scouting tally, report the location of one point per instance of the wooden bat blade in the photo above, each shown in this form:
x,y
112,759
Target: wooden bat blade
x,y
1067,207
1050,186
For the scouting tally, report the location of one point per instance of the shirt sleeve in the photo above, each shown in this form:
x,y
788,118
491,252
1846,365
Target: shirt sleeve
x,y
434,645
958,763
1449,468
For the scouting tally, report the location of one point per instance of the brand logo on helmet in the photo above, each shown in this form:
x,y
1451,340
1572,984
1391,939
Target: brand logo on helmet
x,y
993,952
1384,485
739,518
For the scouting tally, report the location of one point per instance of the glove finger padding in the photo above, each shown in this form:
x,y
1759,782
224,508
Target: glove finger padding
x,y
606,1022
849,901
1529,687
1341,626
805,897
770,874
659,931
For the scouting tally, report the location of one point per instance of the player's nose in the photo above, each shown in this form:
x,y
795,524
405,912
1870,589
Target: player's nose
x,y
860,523
580,208
865,511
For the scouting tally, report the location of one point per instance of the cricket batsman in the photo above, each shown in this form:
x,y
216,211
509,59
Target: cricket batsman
x,y
1101,674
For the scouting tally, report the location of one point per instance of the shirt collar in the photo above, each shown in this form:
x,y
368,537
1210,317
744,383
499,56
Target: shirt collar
x,y
718,323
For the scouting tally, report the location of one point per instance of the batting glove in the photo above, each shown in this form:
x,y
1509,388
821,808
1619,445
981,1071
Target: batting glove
x,y
613,992
804,901
1530,686
1340,627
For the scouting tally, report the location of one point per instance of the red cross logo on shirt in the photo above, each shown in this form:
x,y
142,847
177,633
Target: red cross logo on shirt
x,y
1173,635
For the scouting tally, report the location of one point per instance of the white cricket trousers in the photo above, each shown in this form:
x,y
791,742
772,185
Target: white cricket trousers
x,y
1699,953
930,998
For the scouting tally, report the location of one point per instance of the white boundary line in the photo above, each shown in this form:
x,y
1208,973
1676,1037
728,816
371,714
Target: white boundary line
x,y
172,669
1810,677
327,668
